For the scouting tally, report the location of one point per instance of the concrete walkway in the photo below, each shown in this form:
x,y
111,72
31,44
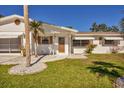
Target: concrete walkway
x,y
52,58
37,64
21,69
11,59
77,56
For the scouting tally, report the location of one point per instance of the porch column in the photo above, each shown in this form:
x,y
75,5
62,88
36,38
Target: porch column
x,y
53,44
69,44
31,43
23,40
9,46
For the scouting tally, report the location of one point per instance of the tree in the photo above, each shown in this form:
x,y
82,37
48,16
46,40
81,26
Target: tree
x,y
109,29
94,27
36,28
103,28
122,26
1,16
69,27
98,28
27,36
115,28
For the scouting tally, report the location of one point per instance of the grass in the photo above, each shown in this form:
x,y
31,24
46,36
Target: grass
x,y
98,71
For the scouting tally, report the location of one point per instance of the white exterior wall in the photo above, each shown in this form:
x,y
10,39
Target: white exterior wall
x,y
11,30
45,49
96,42
99,49
50,48
12,27
66,44
79,50
121,46
107,49
121,43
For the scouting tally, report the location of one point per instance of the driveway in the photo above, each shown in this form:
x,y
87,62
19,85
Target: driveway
x,y
11,59
17,59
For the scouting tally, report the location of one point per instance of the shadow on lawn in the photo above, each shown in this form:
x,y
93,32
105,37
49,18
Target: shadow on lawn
x,y
38,60
105,69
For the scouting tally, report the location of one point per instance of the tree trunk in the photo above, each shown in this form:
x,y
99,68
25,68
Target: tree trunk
x,y
35,47
27,36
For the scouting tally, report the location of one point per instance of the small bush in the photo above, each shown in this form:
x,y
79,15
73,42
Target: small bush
x,y
114,50
90,48
23,52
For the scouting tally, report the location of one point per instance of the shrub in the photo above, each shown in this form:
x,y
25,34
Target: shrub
x,y
23,52
90,48
114,50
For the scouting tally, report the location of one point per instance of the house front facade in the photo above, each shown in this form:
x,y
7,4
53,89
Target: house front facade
x,y
56,40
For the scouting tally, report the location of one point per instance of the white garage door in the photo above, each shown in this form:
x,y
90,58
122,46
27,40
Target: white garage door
x,y
9,45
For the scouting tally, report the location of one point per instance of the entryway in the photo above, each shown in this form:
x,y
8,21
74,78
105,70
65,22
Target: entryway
x,y
61,46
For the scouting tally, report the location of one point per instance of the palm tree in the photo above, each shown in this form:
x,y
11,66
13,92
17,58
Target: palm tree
x,y
27,35
94,27
122,26
36,28
115,28
1,16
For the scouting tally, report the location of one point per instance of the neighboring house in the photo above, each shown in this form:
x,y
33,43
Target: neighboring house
x,y
56,39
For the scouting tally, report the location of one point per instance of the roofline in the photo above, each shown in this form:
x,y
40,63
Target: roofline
x,y
14,15
61,27
65,28
98,34
21,17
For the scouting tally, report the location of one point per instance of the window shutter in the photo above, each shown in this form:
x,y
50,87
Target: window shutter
x,y
19,42
50,40
91,42
102,42
39,39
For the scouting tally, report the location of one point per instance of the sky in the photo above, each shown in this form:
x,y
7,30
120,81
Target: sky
x,y
79,17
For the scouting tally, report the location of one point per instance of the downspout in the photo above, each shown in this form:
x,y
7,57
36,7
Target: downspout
x,y
53,44
31,43
70,43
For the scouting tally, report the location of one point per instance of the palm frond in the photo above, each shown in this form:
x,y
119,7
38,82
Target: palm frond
x,y
36,28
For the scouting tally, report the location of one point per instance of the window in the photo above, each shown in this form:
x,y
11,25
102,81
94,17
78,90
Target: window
x,y
46,40
76,42
39,39
17,21
81,42
85,42
111,42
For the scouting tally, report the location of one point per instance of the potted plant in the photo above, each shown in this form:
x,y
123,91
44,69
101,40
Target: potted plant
x,y
23,52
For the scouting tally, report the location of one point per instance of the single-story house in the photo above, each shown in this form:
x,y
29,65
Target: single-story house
x,y
56,40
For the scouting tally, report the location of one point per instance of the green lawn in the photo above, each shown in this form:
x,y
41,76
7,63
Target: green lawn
x,y
96,71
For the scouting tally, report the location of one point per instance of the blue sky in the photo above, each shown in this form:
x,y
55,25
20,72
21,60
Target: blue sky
x,y
79,17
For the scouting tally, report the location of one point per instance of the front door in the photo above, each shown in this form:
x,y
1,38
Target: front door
x,y
61,41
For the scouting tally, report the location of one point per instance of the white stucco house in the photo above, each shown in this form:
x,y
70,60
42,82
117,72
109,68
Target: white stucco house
x,y
56,40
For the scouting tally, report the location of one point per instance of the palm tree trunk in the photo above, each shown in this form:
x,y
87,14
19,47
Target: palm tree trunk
x,y
35,47
27,36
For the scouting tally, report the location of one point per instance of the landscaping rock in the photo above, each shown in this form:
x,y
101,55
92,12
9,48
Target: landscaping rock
x,y
120,82
38,64
22,70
